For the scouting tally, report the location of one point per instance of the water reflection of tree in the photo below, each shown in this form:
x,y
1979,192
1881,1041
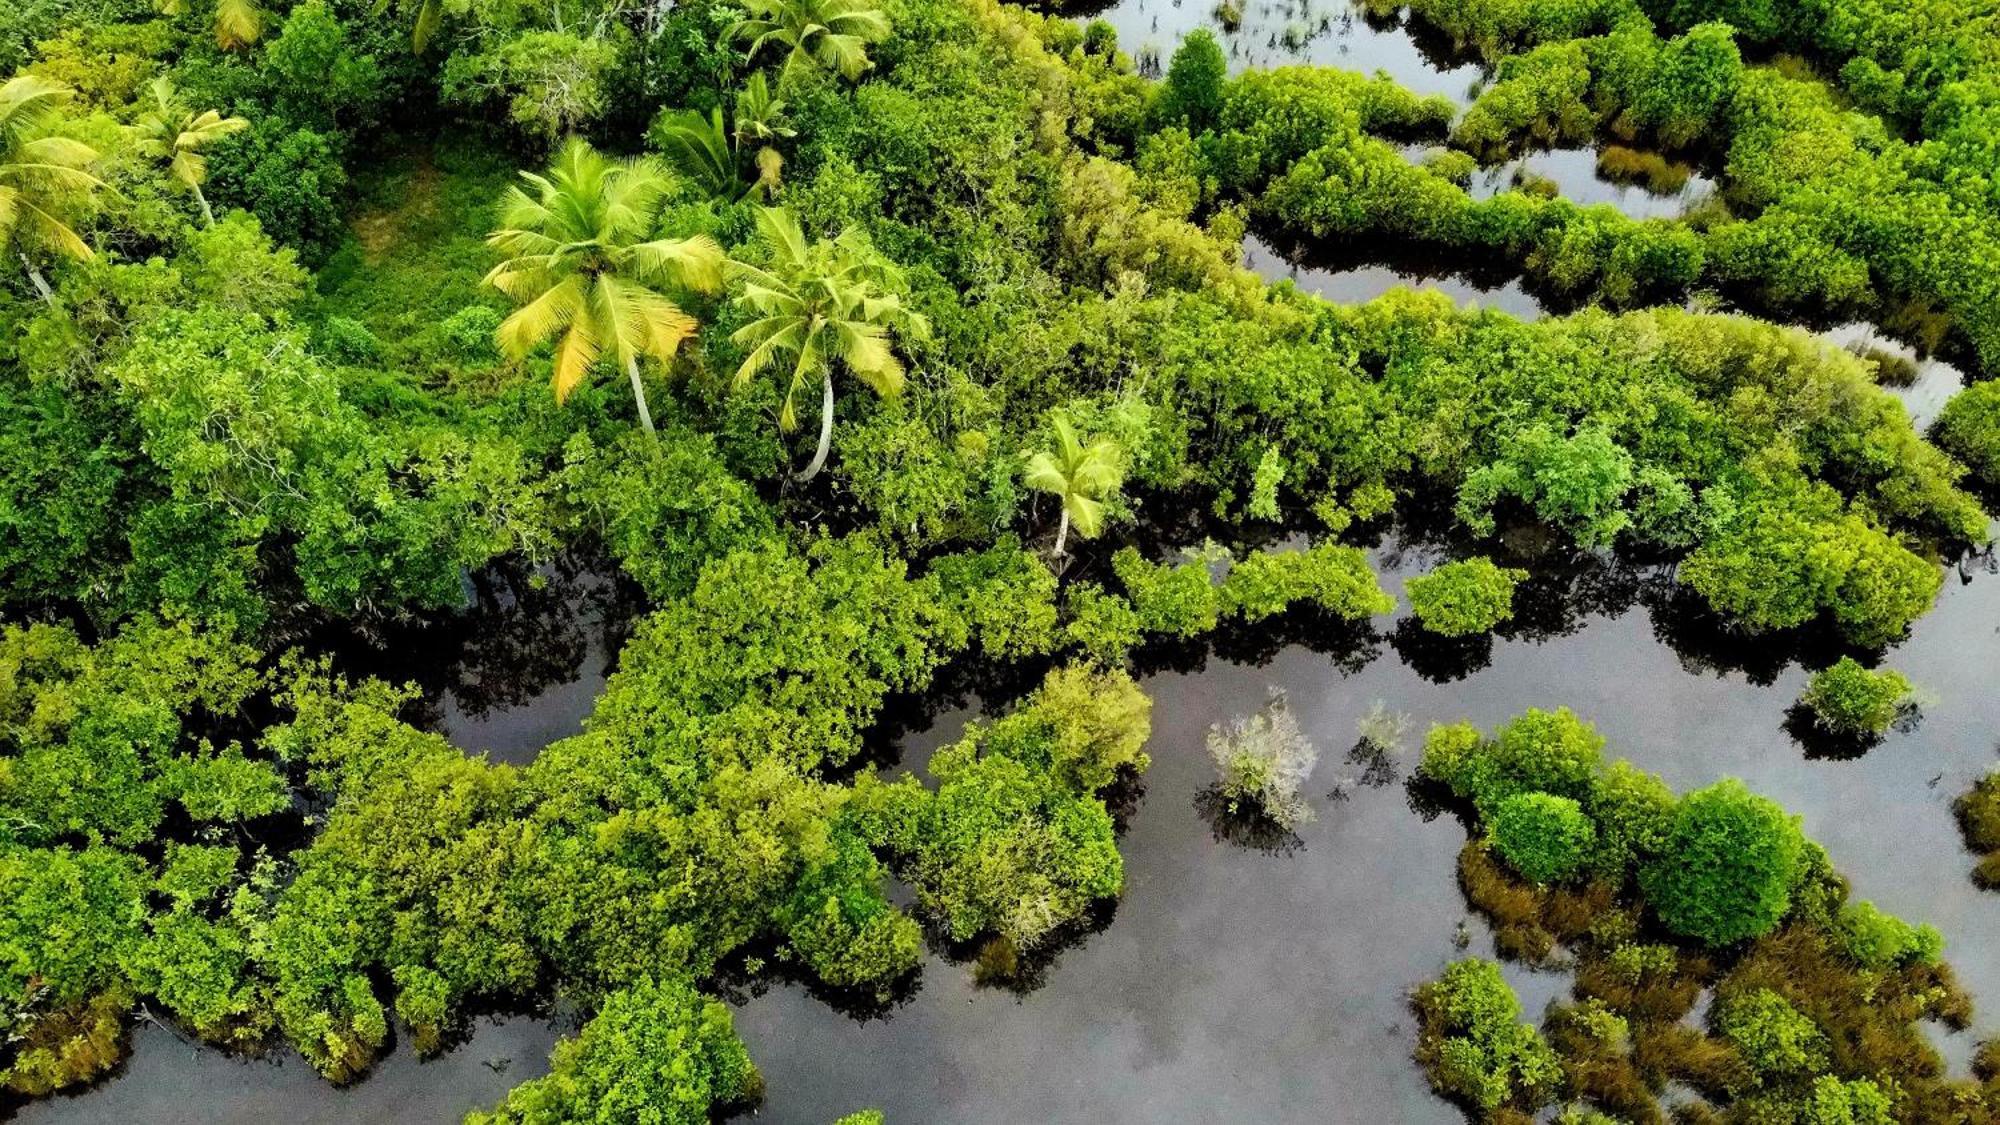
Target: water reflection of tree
x,y
525,630
1243,825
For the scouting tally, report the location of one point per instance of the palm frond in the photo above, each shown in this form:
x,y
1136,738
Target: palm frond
x,y
556,308
238,23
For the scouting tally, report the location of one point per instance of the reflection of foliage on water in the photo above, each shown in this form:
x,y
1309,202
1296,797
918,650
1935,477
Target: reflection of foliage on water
x,y
527,629
1441,660
1243,825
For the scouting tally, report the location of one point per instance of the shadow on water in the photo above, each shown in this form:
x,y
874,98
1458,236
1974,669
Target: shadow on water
x,y
518,668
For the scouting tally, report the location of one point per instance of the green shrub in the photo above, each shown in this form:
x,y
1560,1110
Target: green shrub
x,y
1181,601
1725,869
1539,751
1849,699
1877,940
656,1051
1473,1046
1775,1038
1458,599
1337,579
1969,428
1546,838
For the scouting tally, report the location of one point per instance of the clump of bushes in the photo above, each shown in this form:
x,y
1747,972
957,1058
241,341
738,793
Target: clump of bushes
x,y
1545,837
1262,762
1473,1046
1848,699
1458,599
1979,818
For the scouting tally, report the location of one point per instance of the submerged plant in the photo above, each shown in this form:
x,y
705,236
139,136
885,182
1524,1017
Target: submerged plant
x,y
1262,761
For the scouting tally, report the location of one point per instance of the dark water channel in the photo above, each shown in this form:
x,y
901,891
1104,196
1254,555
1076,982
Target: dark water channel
x,y
1252,980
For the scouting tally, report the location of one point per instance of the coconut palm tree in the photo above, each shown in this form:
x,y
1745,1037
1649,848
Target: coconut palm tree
x,y
174,133
714,157
41,174
238,23
831,33
824,304
1082,475
580,262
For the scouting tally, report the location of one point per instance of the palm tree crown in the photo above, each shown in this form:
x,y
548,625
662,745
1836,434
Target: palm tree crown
x,y
829,33
820,303
714,158
1081,475
173,132
580,261
41,174
238,23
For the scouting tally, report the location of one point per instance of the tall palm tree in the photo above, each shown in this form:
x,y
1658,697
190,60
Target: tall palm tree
x,y
238,23
714,157
822,304
174,133
41,174
831,33
1081,475
584,269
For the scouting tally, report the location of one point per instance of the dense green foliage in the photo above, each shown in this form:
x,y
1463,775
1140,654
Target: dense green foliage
x,y
276,366
1472,1041
1457,599
1545,837
1727,865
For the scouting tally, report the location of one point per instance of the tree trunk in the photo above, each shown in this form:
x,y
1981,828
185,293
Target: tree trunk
x,y
1062,531
203,200
41,283
639,395
825,430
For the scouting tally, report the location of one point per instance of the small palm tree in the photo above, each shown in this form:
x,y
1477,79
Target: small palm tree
x,y
827,303
831,33
174,133
1082,475
584,269
42,175
714,157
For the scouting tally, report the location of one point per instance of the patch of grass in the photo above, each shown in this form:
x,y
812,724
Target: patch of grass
x,y
416,251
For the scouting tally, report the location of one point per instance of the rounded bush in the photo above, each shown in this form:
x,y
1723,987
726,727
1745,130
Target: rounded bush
x,y
1458,599
1725,871
1544,837
1849,699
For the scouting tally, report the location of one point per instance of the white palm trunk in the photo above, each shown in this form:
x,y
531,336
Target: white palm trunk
x,y
825,430
639,394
